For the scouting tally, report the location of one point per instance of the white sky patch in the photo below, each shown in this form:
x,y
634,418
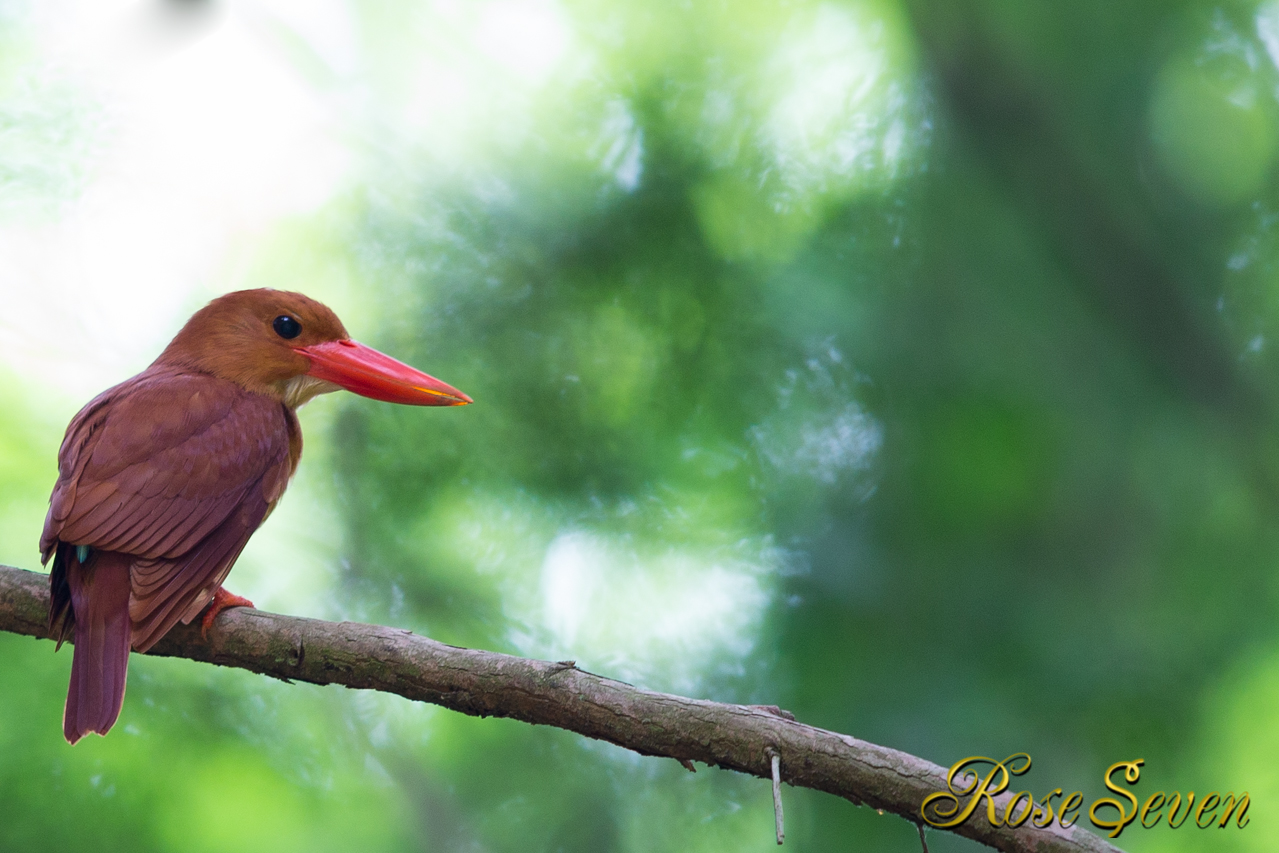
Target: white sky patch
x,y
525,36
661,621
326,26
476,80
209,135
835,113
441,102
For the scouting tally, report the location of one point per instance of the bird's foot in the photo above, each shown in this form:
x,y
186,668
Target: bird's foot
x,y
221,601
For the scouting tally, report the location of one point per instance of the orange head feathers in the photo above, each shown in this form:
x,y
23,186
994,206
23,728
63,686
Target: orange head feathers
x,y
289,346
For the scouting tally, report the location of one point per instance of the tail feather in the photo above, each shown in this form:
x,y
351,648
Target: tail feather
x,y
100,599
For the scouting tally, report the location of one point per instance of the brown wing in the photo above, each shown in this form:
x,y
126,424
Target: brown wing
x,y
178,470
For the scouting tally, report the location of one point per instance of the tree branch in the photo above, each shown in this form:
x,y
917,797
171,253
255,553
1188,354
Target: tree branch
x,y
736,737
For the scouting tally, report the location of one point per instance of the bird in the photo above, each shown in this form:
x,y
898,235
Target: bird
x,y
163,478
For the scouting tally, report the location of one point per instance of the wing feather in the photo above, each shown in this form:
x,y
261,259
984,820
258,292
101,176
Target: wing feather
x,y
166,591
176,469
151,474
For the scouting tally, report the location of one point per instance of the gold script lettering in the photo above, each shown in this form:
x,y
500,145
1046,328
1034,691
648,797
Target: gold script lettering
x,y
965,789
1155,803
1011,809
1132,772
947,803
1042,820
1209,802
1174,804
1072,804
1229,804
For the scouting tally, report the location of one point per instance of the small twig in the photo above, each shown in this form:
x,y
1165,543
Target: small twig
x,y
922,839
687,765
777,793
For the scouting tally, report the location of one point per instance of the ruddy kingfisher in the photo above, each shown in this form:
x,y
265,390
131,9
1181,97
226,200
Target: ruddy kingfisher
x,y
163,478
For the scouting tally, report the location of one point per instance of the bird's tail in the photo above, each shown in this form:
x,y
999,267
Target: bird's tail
x,y
100,599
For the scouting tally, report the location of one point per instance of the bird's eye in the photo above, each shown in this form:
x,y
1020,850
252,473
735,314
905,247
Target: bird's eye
x,y
286,327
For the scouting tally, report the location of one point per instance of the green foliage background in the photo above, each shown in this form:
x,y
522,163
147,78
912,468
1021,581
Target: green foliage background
x,y
909,365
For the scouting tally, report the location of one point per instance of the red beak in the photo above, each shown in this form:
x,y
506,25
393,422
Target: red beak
x,y
369,373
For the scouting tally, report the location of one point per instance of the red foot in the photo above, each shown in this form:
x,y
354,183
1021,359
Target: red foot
x,y
221,601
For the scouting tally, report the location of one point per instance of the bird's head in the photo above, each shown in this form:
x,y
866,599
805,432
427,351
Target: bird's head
x,y
289,346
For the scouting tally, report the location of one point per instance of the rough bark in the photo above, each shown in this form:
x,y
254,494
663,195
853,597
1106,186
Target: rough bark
x,y
736,737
